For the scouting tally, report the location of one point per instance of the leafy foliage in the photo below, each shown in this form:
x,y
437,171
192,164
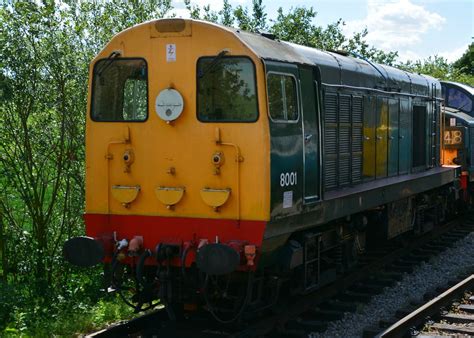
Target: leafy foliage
x,y
440,68
47,47
465,64
295,26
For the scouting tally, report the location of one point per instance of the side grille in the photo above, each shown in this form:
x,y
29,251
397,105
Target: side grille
x,y
343,131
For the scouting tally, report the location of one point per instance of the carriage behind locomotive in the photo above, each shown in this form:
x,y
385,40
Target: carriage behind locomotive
x,y
267,167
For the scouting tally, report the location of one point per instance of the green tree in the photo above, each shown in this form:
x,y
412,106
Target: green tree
x,y
41,128
465,64
297,26
440,68
47,47
226,14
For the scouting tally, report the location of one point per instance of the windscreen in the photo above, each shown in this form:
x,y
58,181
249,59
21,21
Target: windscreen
x,y
120,90
226,90
459,100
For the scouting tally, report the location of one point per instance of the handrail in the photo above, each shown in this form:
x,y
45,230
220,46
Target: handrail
x,y
109,156
238,159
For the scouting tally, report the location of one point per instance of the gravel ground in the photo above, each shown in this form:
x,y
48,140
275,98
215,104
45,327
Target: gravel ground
x,y
436,272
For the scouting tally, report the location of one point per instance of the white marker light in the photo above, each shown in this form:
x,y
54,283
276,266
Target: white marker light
x,y
169,105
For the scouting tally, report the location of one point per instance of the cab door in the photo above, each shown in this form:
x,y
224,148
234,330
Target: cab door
x,y
310,113
286,130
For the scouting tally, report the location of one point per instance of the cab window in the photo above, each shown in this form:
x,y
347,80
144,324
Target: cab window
x,y
282,97
458,100
120,90
226,90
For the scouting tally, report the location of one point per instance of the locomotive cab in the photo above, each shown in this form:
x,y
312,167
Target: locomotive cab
x,y
177,174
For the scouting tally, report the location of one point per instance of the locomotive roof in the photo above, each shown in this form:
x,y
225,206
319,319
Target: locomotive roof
x,y
336,69
342,70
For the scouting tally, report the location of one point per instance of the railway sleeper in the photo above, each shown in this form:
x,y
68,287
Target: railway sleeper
x,y
467,330
466,308
458,318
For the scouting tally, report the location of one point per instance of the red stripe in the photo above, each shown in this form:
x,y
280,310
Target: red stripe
x,y
156,229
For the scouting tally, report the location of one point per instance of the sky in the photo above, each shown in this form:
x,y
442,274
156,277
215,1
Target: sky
x,y
416,29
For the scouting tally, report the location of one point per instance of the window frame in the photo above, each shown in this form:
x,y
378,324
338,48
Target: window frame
x,y
147,92
297,98
255,83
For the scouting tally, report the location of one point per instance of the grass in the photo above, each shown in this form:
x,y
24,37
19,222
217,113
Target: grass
x,y
70,320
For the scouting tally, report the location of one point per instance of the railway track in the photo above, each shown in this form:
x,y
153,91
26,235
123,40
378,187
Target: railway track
x,y
450,313
310,313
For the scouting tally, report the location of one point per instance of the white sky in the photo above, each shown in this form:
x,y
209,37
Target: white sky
x,y
416,29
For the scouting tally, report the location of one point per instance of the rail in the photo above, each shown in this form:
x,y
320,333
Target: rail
x,y
416,318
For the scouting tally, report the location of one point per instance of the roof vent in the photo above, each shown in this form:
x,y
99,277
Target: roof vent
x,y
170,25
268,35
171,28
340,52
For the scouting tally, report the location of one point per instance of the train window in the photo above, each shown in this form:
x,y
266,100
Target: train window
x,y
226,90
120,90
282,99
458,100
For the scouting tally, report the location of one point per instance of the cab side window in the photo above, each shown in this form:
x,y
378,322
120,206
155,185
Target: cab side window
x,y
282,97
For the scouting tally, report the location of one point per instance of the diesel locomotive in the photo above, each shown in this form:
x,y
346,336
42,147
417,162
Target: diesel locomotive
x,y
458,131
224,168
